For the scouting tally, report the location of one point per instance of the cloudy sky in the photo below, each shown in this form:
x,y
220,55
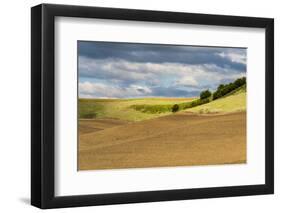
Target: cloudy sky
x,y
130,70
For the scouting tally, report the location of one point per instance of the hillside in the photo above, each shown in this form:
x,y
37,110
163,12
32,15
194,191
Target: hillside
x,y
123,108
232,102
112,140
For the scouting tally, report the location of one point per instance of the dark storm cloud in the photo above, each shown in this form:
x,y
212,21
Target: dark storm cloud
x,y
155,53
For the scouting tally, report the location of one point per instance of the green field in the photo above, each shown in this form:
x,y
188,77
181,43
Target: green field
x,y
146,108
124,108
233,102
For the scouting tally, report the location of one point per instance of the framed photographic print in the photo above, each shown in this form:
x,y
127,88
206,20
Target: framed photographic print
x,y
139,106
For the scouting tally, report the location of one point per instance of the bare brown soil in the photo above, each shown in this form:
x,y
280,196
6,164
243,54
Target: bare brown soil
x,y
181,139
93,125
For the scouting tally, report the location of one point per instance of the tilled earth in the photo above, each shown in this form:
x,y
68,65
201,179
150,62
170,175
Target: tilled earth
x,y
181,139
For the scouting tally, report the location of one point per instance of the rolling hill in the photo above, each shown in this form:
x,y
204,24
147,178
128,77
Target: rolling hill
x,y
123,108
232,102
113,140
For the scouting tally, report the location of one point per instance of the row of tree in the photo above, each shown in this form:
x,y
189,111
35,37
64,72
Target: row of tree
x,y
206,95
223,89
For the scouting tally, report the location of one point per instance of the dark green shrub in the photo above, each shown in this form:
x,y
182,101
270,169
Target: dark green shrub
x,y
153,109
194,103
175,108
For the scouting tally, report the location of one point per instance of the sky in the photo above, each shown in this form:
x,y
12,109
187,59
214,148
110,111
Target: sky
x,y
132,70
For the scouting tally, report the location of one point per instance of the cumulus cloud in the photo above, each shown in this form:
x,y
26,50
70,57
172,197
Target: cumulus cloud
x,y
234,57
101,90
156,53
152,73
118,70
187,81
109,69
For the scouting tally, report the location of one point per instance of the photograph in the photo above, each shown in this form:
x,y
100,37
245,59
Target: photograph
x,y
146,105
138,105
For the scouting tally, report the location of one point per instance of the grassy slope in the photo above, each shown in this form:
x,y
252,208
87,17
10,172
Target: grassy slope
x,y
120,108
235,101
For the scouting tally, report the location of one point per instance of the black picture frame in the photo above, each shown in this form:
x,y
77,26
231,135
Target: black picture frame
x,y
43,105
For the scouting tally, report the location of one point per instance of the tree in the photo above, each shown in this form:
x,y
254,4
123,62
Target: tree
x,y
220,87
240,81
205,94
224,89
217,94
175,108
